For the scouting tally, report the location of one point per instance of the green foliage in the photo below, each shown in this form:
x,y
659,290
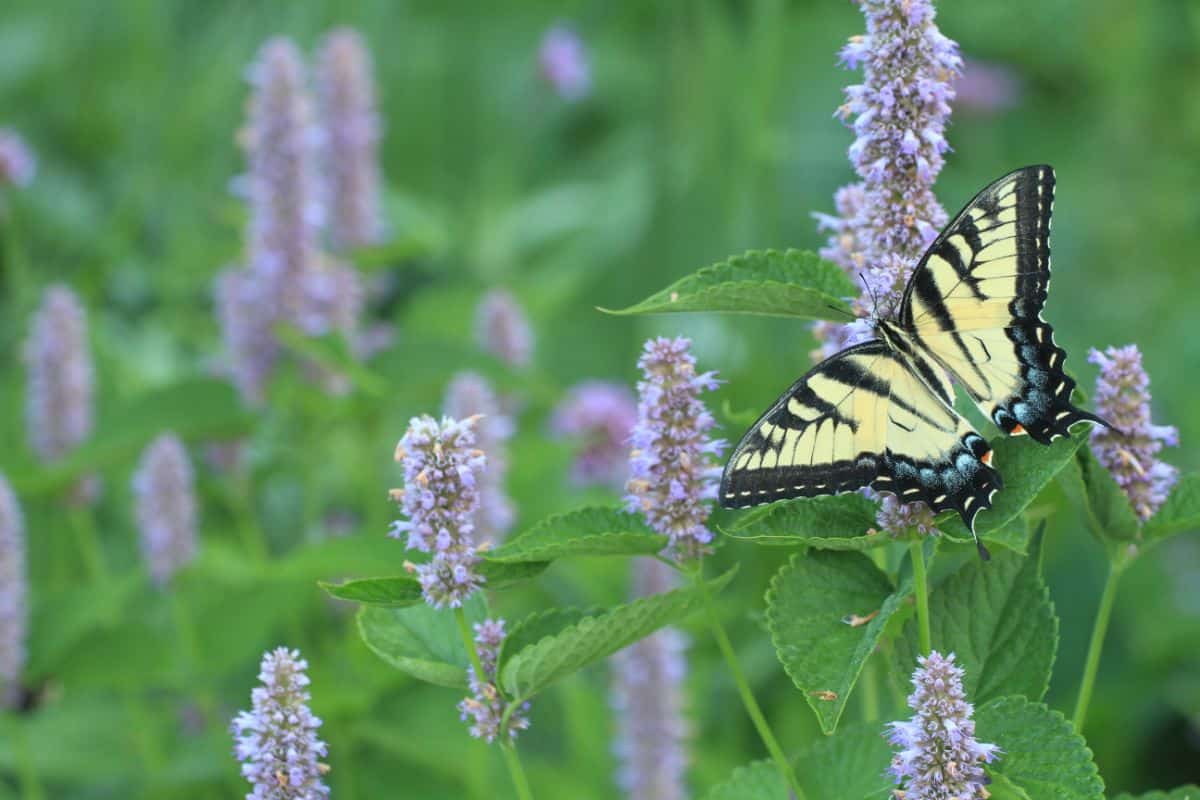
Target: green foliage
x,y
767,282
758,781
1042,753
421,641
833,522
852,765
403,590
815,608
1181,512
1107,509
585,532
1182,793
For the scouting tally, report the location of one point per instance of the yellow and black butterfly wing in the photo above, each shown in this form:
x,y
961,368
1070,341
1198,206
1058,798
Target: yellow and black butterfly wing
x,y
863,418
974,304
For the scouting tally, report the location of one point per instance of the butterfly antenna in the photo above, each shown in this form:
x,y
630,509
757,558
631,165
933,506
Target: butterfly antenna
x,y
871,291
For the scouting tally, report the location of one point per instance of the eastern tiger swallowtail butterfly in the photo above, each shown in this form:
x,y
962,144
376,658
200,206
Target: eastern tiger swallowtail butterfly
x,y
881,413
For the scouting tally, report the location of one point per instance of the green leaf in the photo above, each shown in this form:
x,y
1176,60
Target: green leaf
x,y
809,608
395,592
594,531
1107,509
1189,792
421,641
793,283
536,627
1180,513
998,620
1042,753
757,781
537,665
332,352
850,765
834,522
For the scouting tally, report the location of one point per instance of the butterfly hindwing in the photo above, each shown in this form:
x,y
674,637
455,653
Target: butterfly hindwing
x,y
863,418
974,305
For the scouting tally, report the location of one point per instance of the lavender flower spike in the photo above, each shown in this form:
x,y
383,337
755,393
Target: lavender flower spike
x,y
59,364
18,164
501,328
563,63
671,464
442,469
14,609
602,415
648,699
351,125
939,755
1129,450
469,395
485,708
277,740
166,507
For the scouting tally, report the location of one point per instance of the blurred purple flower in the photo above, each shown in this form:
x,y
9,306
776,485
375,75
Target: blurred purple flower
x,y
502,329
164,489
352,130
984,88
939,755
470,395
59,363
601,414
485,708
1129,450
672,472
442,468
14,590
18,163
276,740
647,696
901,519
563,63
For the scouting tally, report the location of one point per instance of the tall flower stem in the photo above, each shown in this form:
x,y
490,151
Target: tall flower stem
x,y
88,541
921,589
27,777
1096,645
739,678
511,759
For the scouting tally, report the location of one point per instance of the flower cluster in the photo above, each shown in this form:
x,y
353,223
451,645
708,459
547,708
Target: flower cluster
x,y
647,696
166,507
18,164
502,329
351,127
671,469
59,364
1129,450
486,708
470,395
563,63
14,609
602,415
939,754
276,740
901,519
442,468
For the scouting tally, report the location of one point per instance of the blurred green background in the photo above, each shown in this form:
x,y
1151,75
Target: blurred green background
x,y
709,130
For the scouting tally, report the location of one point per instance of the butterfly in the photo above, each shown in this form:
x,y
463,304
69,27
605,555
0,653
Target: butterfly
x,y
881,413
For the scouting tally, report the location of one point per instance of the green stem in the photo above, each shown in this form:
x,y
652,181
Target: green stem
x,y
241,504
870,691
739,678
88,541
468,639
1099,629
921,587
516,771
30,783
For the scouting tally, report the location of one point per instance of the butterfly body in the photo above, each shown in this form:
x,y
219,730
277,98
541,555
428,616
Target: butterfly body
x,y
881,414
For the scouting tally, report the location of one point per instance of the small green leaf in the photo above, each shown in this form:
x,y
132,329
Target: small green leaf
x,y
594,531
537,665
1189,792
834,522
536,627
757,781
1041,753
793,283
850,765
421,641
811,606
998,620
1108,511
1180,513
394,592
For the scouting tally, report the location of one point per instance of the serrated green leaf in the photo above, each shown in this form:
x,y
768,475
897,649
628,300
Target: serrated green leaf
x,y
1189,792
1042,753
834,522
1108,511
395,592
1180,513
850,765
757,781
793,283
998,620
421,641
809,605
536,666
594,531
536,627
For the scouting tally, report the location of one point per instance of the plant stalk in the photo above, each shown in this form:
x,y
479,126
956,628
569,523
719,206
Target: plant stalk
x,y
921,588
1099,629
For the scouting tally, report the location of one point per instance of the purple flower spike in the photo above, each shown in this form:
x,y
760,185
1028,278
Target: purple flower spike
x,y
901,519
471,395
166,507
502,329
442,470
602,415
276,740
18,164
563,63
1129,450
59,364
485,708
672,469
939,756
14,608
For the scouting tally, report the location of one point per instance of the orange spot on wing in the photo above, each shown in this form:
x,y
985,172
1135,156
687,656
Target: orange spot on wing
x,y
987,458
1017,430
